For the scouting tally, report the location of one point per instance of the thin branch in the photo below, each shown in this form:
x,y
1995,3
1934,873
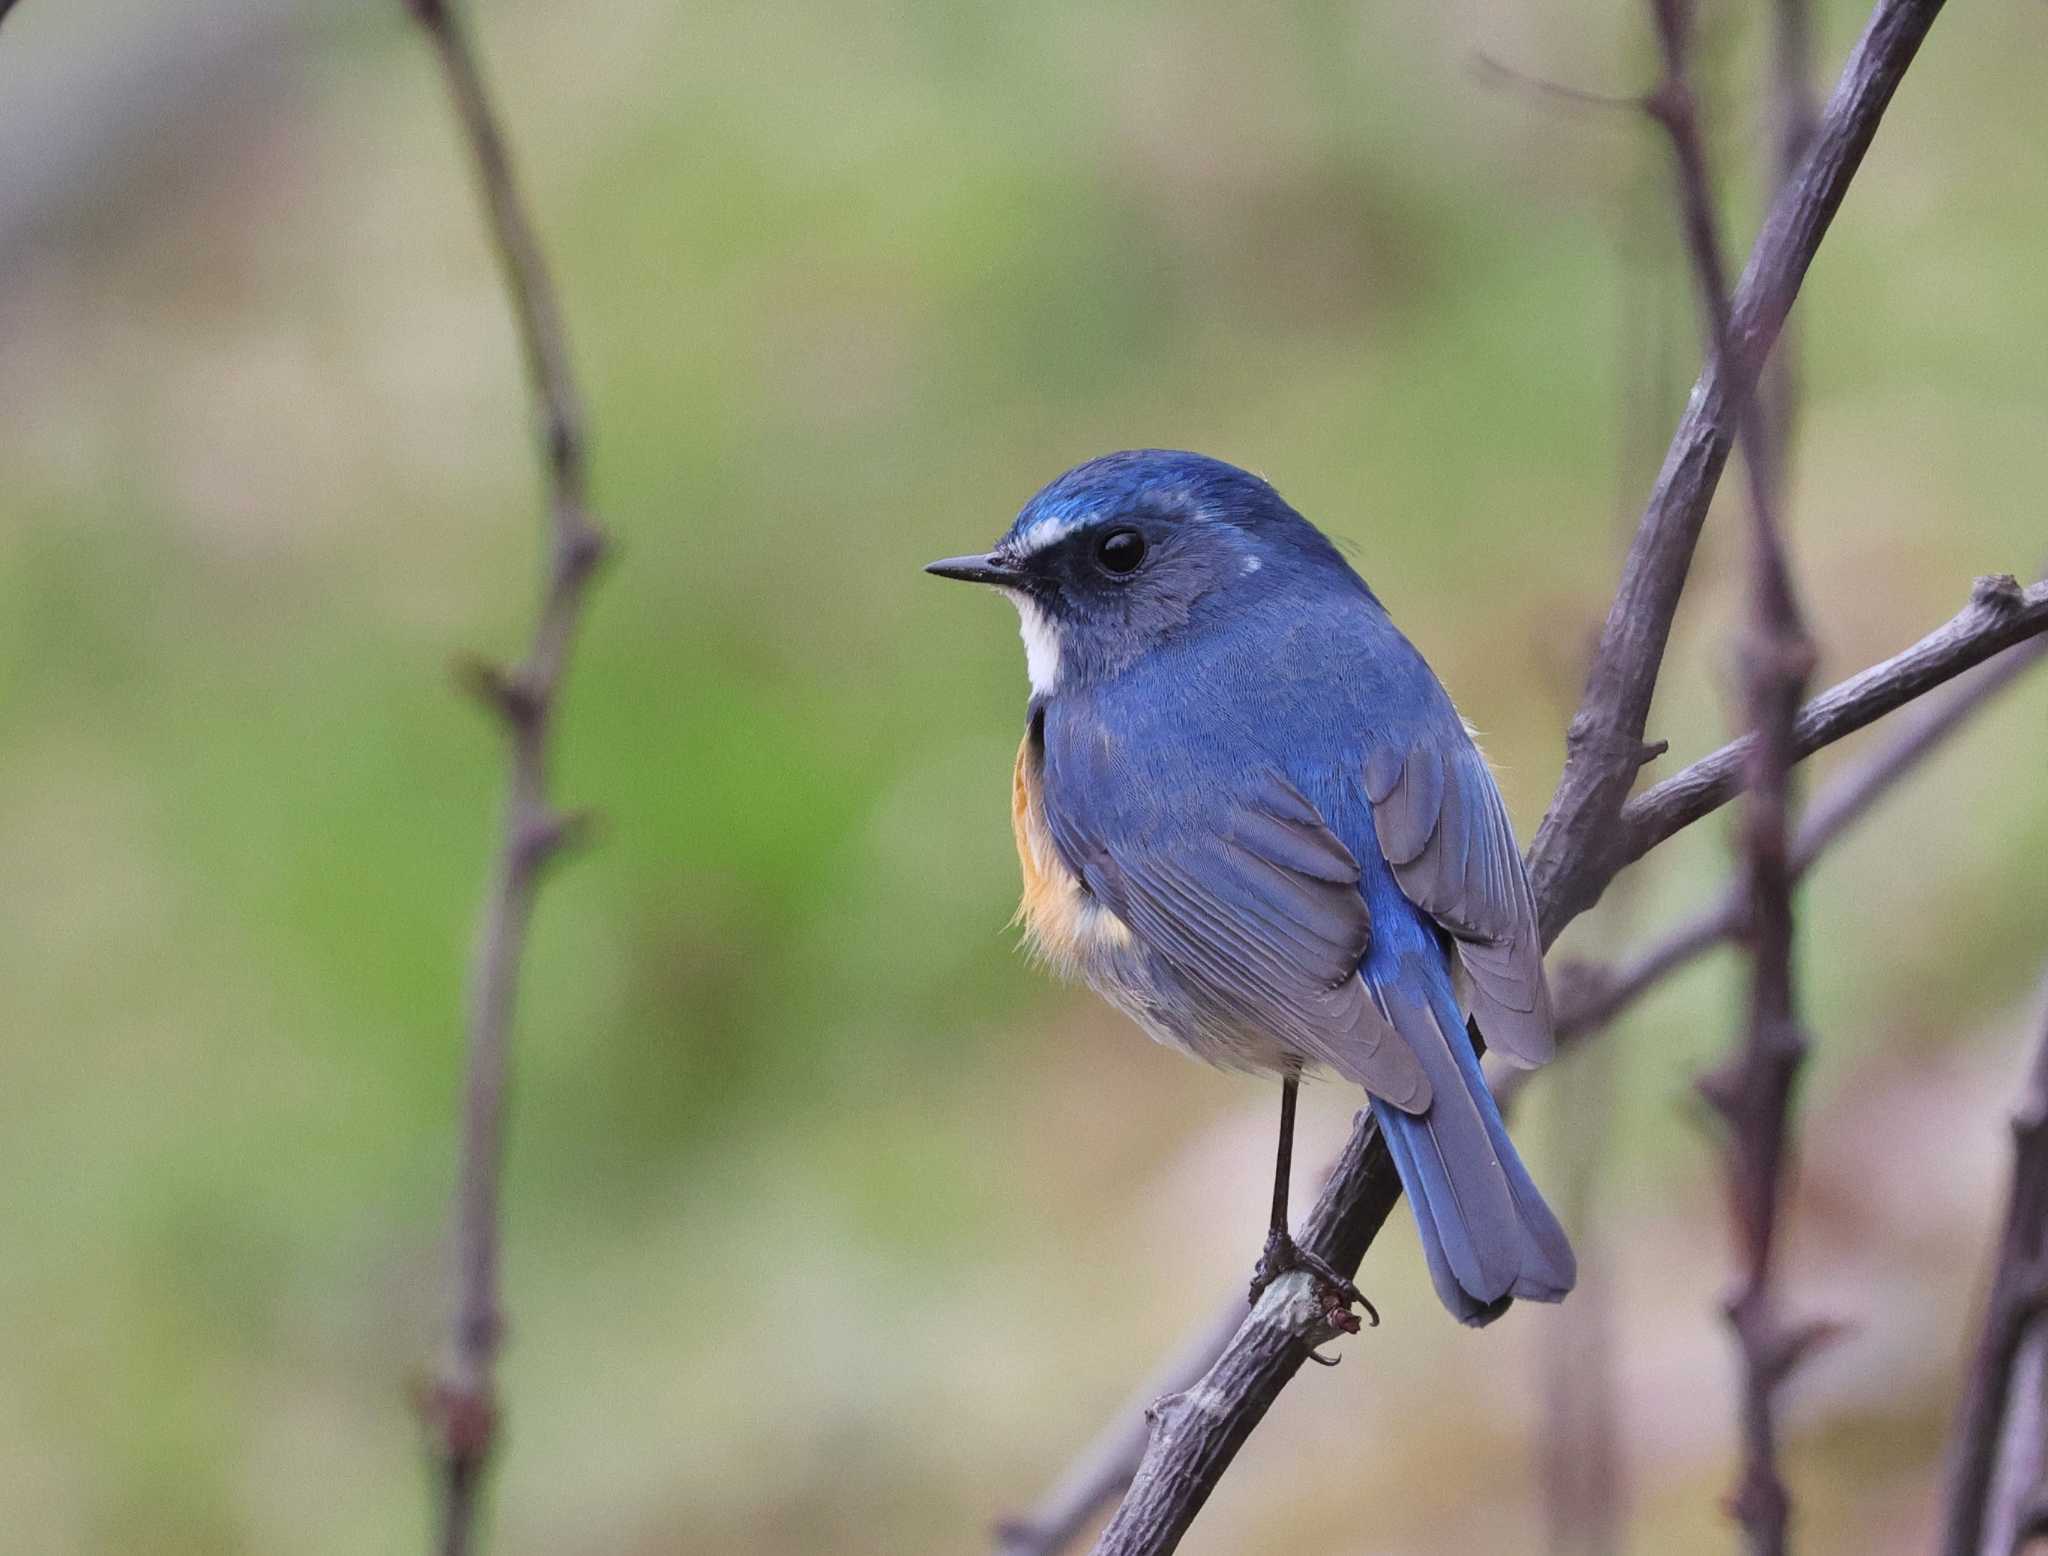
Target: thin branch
x,y
1753,1091
1794,114
1492,71
2000,613
1590,997
1568,861
1100,1471
2014,1309
463,1411
1197,1432
1579,1453
1572,859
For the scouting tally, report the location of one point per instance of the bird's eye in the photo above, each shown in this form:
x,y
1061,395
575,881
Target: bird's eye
x,y
1121,550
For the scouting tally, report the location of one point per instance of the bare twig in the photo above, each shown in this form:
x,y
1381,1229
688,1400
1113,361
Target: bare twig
x,y
1572,858
1100,1471
1497,72
1589,997
1568,861
1794,114
2013,1311
1753,1091
463,1409
1580,1452
2000,613
1197,1432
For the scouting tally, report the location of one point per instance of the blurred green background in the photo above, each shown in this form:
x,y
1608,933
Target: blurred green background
x,y
831,1224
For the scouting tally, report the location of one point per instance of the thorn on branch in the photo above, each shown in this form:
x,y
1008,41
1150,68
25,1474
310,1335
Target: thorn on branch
x,y
539,838
1721,1089
507,693
1783,1353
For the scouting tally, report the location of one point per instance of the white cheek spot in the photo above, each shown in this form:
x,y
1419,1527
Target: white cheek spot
x,y
1251,564
1041,643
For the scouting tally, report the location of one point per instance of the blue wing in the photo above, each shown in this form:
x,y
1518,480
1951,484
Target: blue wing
x,y
1440,822
1241,890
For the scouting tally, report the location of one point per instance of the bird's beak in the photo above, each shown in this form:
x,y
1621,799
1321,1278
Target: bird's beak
x,y
978,569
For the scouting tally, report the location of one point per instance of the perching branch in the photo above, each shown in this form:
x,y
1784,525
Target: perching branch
x,y
462,1410
1102,1469
1572,859
2013,1312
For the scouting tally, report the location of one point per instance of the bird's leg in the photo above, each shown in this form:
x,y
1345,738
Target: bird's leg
x,y
1282,1252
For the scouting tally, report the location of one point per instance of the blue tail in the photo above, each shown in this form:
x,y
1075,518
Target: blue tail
x,y
1486,1232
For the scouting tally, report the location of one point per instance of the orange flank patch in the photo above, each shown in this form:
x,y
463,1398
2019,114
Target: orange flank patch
x,y
1063,926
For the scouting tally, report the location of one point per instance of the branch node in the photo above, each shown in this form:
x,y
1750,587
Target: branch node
x,y
2000,592
462,1417
580,547
1670,103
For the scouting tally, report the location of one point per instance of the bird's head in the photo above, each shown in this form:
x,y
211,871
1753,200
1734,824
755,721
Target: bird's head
x,y
1131,550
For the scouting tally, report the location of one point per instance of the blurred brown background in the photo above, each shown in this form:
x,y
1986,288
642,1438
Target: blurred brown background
x,y
832,1225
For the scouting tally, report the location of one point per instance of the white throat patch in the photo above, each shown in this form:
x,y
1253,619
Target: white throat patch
x,y
1041,636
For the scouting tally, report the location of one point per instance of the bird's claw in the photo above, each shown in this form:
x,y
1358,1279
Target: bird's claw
x,y
1340,1294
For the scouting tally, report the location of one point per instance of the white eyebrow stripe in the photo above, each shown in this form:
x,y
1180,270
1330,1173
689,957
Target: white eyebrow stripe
x,y
1044,533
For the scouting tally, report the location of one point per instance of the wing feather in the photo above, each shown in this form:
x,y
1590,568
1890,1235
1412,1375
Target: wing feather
x,y
1442,825
1261,914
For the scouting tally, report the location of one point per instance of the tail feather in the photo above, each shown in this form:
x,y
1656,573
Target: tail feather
x,y
1486,1232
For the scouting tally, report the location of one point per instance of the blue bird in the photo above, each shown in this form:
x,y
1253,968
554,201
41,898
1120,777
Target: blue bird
x,y
1248,816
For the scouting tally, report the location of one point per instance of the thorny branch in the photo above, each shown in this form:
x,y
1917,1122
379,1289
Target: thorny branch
x,y
1196,1433
462,1410
1753,1091
2017,1302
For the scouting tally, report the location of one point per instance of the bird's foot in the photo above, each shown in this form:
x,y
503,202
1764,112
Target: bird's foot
x,y
1339,1293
